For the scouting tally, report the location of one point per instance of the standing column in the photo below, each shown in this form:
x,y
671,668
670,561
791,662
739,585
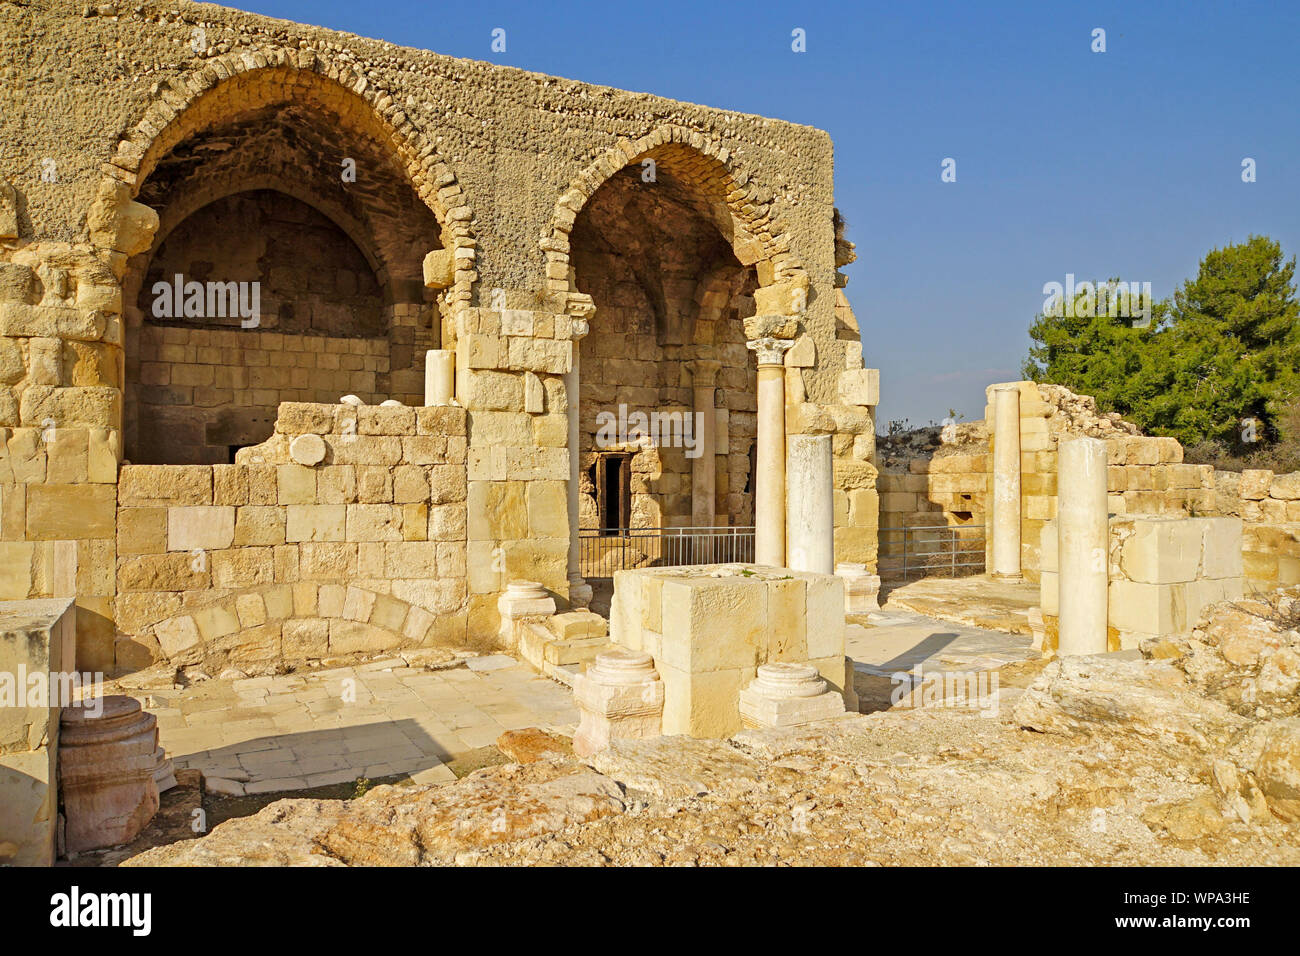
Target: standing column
x,y
704,469
769,479
1006,482
579,590
810,509
1083,532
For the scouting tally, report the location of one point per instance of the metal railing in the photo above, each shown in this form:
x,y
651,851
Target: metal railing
x,y
602,551
931,551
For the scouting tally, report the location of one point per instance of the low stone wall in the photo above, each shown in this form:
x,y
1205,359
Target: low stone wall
x,y
37,640
57,503
343,534
1144,475
1164,570
945,489
1269,505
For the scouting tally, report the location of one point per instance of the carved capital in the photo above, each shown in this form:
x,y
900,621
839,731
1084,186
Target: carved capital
x,y
770,351
704,372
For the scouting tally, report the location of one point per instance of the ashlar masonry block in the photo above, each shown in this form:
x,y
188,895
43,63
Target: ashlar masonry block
x,y
37,641
710,628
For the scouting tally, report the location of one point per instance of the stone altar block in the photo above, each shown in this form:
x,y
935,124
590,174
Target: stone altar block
x,y
710,627
37,640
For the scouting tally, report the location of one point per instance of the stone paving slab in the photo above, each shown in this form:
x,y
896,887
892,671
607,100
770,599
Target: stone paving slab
x,y
906,643
298,731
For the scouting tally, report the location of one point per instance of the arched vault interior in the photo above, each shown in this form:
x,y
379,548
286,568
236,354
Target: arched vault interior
x,y
328,226
668,290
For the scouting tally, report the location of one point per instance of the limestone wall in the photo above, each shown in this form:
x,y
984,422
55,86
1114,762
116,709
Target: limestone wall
x,y
57,525
270,560
202,391
1163,571
948,490
1269,506
1144,475
137,117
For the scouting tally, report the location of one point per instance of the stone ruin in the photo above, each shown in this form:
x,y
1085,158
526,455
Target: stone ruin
x,y
302,363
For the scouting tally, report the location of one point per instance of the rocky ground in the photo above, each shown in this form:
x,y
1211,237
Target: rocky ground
x,y
1188,756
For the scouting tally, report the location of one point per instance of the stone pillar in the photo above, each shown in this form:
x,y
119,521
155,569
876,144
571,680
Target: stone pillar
x,y
38,639
439,376
1005,513
704,470
620,696
769,480
1083,530
579,590
810,504
704,467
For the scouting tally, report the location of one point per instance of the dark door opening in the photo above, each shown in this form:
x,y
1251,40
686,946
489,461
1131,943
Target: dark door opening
x,y
613,492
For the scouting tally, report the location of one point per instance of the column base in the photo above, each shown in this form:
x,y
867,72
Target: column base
x,y
580,592
1007,578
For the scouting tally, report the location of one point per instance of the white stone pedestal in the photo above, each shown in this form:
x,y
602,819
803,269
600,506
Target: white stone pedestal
x,y
786,695
861,589
620,695
522,599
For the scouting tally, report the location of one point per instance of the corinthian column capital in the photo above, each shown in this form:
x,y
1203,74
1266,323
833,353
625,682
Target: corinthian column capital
x,y
770,351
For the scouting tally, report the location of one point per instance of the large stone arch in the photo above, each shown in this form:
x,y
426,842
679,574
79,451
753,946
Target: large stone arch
x,y
743,210
403,203
183,106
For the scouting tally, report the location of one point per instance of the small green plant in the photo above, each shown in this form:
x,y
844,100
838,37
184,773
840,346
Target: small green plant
x,y
362,785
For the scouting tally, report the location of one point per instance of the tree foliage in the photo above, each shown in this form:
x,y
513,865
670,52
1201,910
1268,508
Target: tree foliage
x,y
1223,349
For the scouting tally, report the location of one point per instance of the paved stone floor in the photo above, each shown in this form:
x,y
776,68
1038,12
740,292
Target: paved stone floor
x,y
315,729
381,719
901,641
977,601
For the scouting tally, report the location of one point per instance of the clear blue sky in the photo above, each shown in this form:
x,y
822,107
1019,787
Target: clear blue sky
x,y
1122,163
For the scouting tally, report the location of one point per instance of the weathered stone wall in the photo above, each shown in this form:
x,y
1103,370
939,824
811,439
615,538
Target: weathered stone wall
x,y
202,391
1163,572
270,560
1144,475
128,126
1269,506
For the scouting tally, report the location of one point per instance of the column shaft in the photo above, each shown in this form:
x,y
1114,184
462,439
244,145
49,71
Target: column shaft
x,y
1083,530
1005,513
810,511
439,376
769,479
579,590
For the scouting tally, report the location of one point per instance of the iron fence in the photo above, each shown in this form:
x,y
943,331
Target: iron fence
x,y
931,551
602,551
